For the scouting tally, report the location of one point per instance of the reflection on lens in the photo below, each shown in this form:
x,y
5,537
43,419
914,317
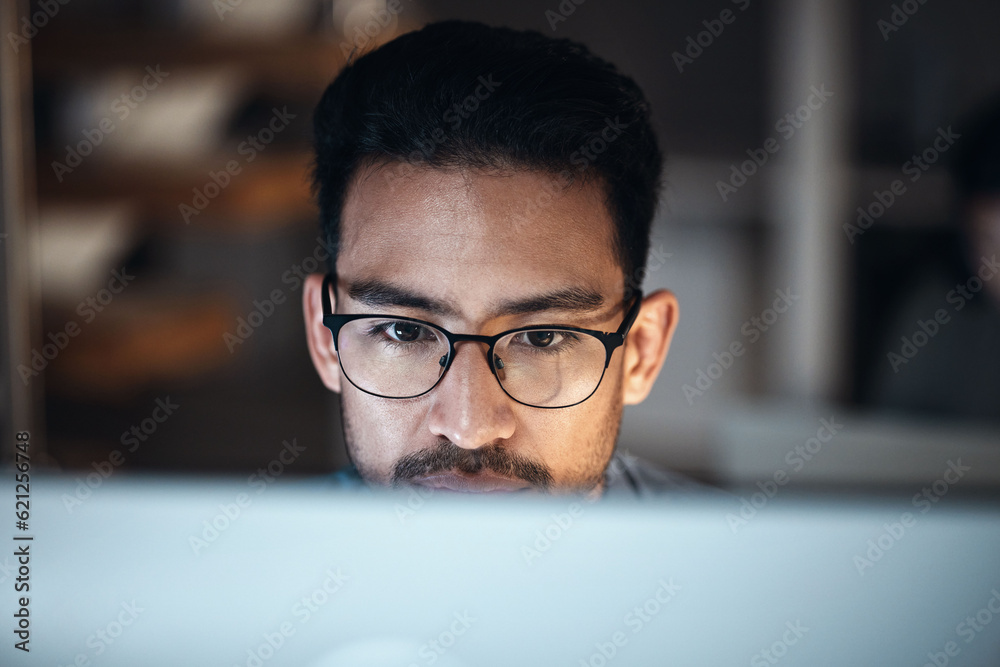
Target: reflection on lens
x,y
393,358
551,368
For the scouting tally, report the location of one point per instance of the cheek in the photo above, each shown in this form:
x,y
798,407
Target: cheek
x,y
379,431
577,443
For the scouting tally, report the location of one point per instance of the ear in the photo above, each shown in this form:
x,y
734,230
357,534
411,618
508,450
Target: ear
x,y
647,344
318,337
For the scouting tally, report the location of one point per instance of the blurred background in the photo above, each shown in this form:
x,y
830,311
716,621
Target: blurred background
x,y
830,196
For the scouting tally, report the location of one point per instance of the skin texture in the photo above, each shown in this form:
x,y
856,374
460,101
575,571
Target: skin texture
x,y
470,240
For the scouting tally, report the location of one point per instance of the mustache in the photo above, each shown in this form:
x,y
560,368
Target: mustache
x,y
447,457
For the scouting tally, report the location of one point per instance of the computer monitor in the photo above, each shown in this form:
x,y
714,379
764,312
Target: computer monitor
x,y
147,571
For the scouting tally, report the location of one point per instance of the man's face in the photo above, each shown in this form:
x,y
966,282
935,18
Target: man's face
x,y
478,253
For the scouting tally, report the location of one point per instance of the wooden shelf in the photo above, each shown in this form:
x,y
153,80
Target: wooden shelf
x,y
164,337
145,341
270,192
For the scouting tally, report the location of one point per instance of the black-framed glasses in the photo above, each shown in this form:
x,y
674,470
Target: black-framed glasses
x,y
542,366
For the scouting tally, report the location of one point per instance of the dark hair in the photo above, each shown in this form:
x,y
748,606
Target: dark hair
x,y
542,104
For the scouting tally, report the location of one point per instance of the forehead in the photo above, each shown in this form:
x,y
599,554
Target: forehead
x,y
455,232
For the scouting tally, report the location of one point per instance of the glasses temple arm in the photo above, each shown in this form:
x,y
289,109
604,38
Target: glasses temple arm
x,y
630,316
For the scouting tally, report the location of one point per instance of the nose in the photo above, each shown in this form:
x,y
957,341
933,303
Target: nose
x,y
470,409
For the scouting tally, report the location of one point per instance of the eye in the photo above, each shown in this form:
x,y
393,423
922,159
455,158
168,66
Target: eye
x,y
541,338
406,332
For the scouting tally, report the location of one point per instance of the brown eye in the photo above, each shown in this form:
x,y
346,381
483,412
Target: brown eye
x,y
540,338
405,332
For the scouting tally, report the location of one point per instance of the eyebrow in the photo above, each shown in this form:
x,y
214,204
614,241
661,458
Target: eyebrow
x,y
379,293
